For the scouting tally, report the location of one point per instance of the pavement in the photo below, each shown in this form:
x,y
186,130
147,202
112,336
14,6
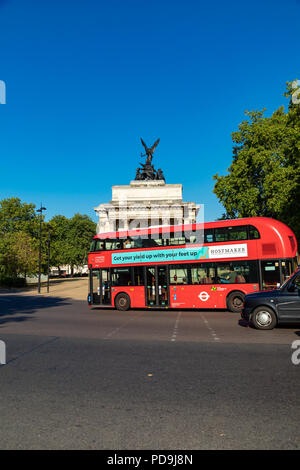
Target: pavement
x,y
74,288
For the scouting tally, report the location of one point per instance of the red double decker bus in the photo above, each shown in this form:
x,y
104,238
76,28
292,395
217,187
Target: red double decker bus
x,y
213,265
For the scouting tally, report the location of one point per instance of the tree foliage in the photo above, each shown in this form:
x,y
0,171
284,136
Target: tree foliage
x,y
19,231
17,216
264,177
18,254
70,239
20,239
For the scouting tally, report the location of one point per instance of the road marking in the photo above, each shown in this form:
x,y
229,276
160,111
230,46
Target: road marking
x,y
175,331
210,329
115,330
33,349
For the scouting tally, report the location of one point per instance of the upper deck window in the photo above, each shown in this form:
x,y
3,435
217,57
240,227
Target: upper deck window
x,y
97,245
113,245
226,234
177,240
253,233
211,235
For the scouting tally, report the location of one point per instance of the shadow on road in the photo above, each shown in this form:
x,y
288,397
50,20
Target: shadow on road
x,y
15,308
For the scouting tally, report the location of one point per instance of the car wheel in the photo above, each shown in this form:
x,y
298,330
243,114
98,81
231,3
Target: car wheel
x,y
122,302
235,301
263,318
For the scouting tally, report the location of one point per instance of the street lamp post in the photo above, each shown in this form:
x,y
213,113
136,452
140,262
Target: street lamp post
x,y
40,250
48,259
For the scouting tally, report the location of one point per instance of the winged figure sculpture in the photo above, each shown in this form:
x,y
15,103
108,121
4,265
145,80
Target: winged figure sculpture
x,y
149,151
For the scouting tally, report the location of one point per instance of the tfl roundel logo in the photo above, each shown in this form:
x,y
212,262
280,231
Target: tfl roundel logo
x,y
204,296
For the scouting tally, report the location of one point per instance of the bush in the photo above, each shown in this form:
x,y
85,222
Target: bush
x,y
9,282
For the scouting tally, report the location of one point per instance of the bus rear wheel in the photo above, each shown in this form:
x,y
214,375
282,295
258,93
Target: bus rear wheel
x,y
235,301
122,302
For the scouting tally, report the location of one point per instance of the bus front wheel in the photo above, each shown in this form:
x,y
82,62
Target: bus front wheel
x,y
122,302
235,301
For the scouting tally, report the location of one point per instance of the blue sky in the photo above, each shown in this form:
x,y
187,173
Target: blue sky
x,y
86,79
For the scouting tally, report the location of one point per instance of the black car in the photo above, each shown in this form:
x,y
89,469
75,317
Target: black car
x,y
264,310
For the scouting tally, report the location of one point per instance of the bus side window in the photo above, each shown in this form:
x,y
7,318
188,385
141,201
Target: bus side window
x,y
121,276
177,240
240,279
127,244
178,275
203,274
226,273
192,237
238,233
138,275
209,235
253,233
221,234
198,275
137,242
99,245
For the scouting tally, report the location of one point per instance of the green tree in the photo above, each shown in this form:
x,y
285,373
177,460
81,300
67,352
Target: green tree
x,y
19,237
59,228
264,177
70,239
81,231
18,254
17,216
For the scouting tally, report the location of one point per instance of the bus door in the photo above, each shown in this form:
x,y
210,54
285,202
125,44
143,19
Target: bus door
x,y
105,287
157,292
270,272
95,277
